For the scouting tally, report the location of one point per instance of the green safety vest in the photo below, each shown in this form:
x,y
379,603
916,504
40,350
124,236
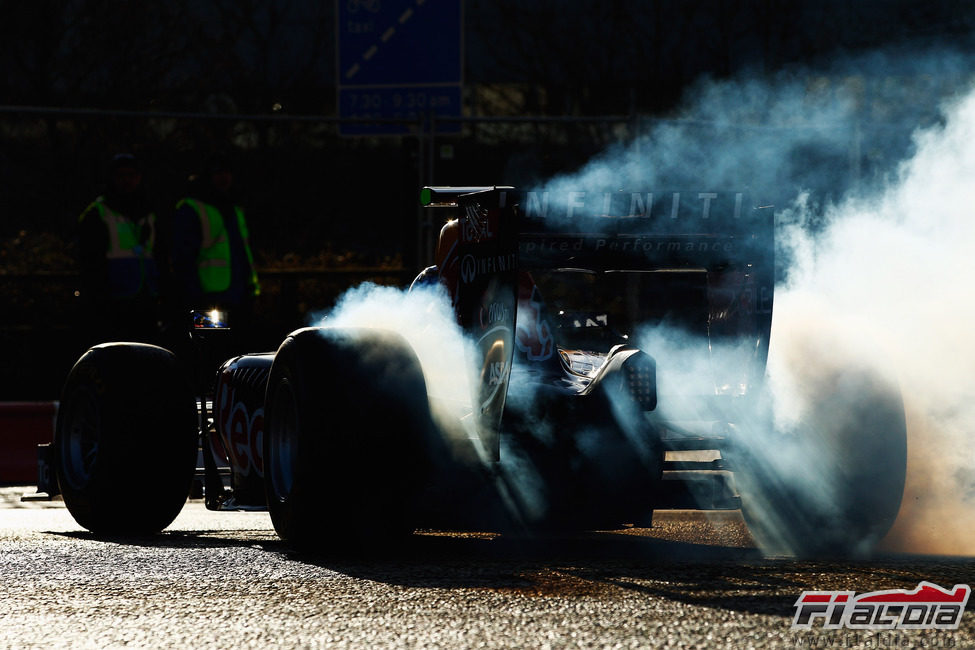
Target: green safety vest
x,y
131,266
213,261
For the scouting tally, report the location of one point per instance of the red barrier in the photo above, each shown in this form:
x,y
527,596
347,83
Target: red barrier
x,y
24,425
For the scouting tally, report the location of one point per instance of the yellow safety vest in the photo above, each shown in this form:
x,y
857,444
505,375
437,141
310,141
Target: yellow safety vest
x,y
131,266
213,261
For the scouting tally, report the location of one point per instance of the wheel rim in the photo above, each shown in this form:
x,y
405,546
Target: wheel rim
x,y
79,440
283,440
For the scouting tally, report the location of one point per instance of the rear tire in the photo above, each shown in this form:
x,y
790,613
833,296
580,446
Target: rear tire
x,y
126,439
347,419
834,486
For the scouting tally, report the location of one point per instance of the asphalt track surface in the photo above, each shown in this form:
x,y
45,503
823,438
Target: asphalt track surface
x,y
224,580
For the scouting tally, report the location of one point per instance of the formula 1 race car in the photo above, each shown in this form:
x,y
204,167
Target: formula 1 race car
x,y
616,353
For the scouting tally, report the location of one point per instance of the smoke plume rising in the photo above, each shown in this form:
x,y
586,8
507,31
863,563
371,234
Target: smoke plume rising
x,y
873,176
423,317
891,272
871,166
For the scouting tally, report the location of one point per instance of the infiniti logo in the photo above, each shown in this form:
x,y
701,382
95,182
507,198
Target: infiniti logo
x,y
468,269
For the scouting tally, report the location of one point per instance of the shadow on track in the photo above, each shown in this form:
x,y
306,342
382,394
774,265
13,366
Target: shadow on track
x,y
597,565
610,565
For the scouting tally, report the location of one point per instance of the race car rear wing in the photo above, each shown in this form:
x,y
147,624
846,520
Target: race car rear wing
x,y
627,230
480,272
715,248
456,196
644,231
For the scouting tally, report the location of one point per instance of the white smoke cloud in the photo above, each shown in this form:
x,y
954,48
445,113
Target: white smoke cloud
x,y
891,277
876,235
425,318
873,165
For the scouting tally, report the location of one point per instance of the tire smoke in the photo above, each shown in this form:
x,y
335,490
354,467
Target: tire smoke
x,y
870,165
891,274
875,228
423,317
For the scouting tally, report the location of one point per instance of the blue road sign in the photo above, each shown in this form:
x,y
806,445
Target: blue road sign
x,y
399,59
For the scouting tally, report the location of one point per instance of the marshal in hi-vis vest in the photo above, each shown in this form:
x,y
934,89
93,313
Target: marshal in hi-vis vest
x,y
213,262
132,268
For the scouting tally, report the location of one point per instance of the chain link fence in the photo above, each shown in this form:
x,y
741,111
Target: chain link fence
x,y
328,211
325,211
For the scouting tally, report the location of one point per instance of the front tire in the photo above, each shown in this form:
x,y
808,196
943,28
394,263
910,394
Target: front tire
x,y
125,440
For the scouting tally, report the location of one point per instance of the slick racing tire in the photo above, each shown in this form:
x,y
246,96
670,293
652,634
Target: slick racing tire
x,y
126,439
833,486
346,424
